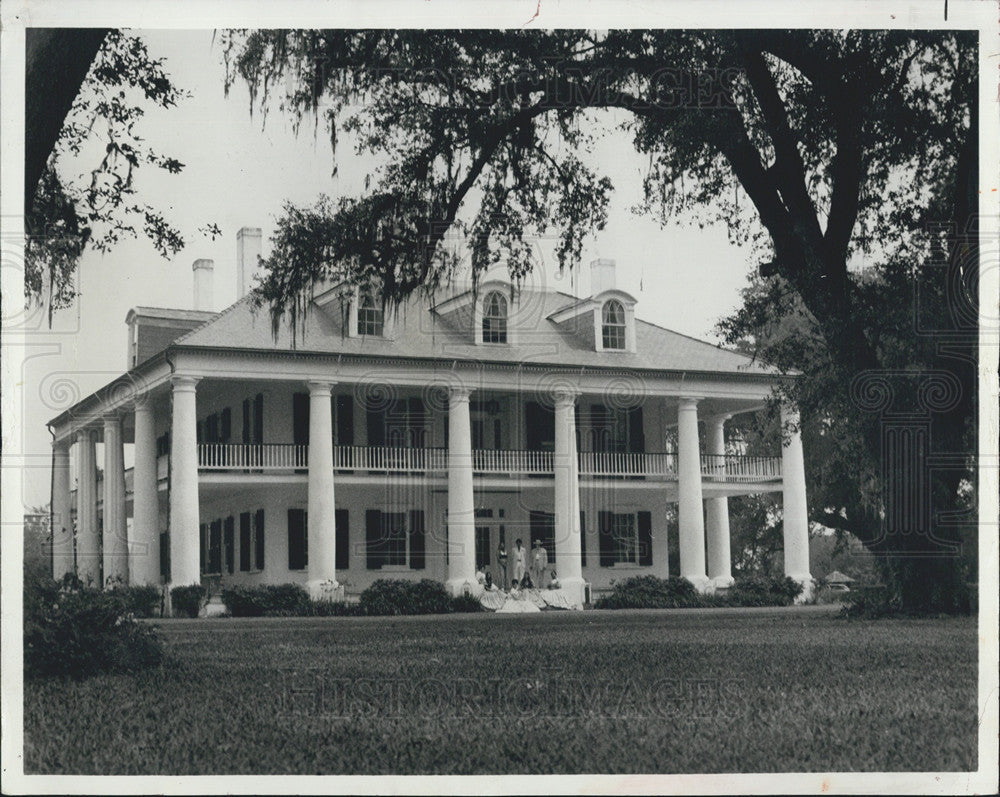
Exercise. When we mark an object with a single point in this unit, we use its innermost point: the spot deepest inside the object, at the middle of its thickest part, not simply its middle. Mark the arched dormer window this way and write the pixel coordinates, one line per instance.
(613, 325)
(370, 319)
(495, 318)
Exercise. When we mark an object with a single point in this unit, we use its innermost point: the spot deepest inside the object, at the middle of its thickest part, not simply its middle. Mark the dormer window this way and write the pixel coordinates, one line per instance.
(613, 325)
(370, 317)
(495, 318)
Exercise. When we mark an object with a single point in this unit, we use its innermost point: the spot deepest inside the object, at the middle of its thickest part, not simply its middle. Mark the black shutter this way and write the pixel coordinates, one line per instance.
(258, 418)
(259, 552)
(605, 532)
(345, 420)
(229, 542)
(583, 541)
(645, 520)
(245, 542)
(201, 548)
(297, 539)
(636, 437)
(165, 556)
(300, 419)
(247, 421)
(417, 540)
(415, 422)
(215, 547)
(376, 427)
(374, 539)
(343, 540)
(213, 432)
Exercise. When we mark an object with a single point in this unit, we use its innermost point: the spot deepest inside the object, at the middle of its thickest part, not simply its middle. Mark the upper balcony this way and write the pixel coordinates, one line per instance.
(286, 457)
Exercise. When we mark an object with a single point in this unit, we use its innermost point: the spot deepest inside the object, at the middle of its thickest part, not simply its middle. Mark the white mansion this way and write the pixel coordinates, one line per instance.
(409, 444)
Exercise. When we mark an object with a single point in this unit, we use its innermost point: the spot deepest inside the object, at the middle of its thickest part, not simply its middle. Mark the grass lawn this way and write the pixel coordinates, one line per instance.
(647, 691)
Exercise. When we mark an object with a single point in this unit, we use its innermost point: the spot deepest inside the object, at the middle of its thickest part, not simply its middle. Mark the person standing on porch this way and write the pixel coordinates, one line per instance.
(502, 564)
(539, 564)
(520, 559)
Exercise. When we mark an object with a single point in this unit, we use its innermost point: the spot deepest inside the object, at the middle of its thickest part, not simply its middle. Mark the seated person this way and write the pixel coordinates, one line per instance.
(488, 583)
(553, 581)
(515, 589)
(526, 582)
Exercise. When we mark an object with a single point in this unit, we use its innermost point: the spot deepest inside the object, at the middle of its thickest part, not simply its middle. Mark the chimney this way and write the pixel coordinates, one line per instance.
(204, 277)
(247, 252)
(602, 276)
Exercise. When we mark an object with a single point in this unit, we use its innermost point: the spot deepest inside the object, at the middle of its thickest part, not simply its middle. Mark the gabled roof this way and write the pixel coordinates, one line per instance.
(422, 333)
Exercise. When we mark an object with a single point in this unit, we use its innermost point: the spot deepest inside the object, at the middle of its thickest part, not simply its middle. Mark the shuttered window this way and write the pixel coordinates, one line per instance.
(298, 546)
(343, 542)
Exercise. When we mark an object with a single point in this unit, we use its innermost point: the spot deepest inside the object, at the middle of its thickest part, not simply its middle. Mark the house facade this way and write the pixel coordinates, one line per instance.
(408, 444)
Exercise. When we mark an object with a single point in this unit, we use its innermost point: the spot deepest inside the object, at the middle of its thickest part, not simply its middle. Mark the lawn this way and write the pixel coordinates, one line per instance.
(648, 691)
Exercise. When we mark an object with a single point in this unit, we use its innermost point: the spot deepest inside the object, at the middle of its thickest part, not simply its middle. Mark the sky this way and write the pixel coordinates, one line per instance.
(239, 170)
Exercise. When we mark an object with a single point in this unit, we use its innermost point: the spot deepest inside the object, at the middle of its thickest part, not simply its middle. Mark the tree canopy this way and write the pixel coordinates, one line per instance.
(851, 146)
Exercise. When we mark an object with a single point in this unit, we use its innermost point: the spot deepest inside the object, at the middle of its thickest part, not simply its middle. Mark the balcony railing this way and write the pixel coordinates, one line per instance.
(386, 459)
(735, 468)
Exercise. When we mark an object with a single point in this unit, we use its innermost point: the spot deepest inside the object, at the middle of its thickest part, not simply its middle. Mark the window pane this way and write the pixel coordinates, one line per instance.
(395, 531)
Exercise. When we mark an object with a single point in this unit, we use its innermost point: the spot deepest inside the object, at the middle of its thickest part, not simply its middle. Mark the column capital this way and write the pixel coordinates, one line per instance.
(459, 393)
(320, 387)
(184, 382)
(718, 419)
(687, 403)
(565, 397)
(84, 435)
(111, 419)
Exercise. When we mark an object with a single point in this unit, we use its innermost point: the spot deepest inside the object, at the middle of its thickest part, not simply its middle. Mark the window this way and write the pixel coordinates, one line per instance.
(495, 318)
(252, 541)
(370, 317)
(390, 543)
(613, 325)
(482, 547)
(626, 538)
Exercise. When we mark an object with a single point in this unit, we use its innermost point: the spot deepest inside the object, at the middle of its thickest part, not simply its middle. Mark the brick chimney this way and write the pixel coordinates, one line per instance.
(204, 279)
(247, 254)
(602, 276)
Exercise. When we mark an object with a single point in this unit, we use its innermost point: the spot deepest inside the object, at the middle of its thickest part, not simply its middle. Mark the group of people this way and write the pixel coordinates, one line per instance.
(537, 576)
(529, 590)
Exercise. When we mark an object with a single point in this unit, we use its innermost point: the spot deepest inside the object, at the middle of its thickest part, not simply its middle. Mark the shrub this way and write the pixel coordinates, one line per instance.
(650, 592)
(336, 609)
(267, 600)
(79, 631)
(465, 603)
(187, 600)
(764, 591)
(140, 601)
(397, 596)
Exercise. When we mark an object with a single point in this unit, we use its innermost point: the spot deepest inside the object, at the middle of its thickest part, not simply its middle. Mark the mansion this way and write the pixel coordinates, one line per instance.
(408, 443)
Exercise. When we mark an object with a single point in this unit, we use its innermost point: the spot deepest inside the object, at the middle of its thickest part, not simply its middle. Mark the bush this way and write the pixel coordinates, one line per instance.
(465, 603)
(650, 592)
(268, 600)
(397, 596)
(75, 631)
(140, 601)
(336, 609)
(763, 591)
(187, 600)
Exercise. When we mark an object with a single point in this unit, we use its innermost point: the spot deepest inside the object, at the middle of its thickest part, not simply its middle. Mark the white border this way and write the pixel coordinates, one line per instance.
(186, 14)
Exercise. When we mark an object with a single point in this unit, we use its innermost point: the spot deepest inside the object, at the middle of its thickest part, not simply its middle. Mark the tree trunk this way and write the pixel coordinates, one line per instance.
(56, 62)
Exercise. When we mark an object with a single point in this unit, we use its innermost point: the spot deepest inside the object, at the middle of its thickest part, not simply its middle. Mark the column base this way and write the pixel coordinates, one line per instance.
(808, 587)
(723, 582)
(573, 589)
(458, 586)
(325, 590)
(703, 584)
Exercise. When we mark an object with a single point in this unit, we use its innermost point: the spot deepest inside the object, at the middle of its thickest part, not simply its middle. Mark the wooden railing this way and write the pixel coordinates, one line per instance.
(735, 468)
(613, 463)
(290, 457)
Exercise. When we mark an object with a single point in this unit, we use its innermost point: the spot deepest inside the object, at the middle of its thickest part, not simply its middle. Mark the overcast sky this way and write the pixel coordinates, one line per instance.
(238, 172)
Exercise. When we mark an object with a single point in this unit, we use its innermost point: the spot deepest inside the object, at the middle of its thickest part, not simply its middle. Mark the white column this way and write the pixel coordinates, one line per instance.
(115, 548)
(322, 530)
(62, 519)
(88, 555)
(461, 506)
(184, 509)
(567, 499)
(717, 513)
(690, 511)
(794, 507)
(144, 565)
